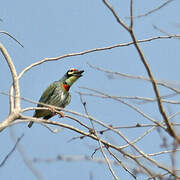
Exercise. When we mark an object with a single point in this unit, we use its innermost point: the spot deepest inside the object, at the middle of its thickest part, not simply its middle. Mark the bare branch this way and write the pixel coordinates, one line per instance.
(129, 105)
(131, 14)
(107, 144)
(170, 129)
(156, 90)
(115, 15)
(99, 140)
(14, 76)
(92, 50)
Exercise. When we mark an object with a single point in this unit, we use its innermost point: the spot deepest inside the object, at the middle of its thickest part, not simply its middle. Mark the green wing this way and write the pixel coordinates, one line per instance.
(48, 93)
(46, 96)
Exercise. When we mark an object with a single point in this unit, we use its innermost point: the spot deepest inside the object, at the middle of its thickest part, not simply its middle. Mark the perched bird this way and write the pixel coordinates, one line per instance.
(57, 94)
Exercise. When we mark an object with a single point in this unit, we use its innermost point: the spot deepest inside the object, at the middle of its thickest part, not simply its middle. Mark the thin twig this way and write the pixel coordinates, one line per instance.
(99, 140)
(26, 160)
(129, 105)
(6, 33)
(13, 149)
(161, 30)
(140, 137)
(135, 99)
(72, 158)
(154, 10)
(115, 15)
(121, 164)
(158, 153)
(159, 82)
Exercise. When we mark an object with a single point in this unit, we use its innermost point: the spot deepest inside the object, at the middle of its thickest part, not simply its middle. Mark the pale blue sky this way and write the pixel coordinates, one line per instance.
(54, 28)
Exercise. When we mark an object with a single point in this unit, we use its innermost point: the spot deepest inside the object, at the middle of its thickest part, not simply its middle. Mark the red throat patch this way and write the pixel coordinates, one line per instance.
(66, 87)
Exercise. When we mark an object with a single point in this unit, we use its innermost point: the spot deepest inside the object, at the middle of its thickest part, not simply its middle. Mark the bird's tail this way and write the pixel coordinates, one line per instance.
(30, 124)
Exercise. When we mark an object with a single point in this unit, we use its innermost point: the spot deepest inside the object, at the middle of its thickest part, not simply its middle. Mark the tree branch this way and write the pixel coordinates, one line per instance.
(12, 68)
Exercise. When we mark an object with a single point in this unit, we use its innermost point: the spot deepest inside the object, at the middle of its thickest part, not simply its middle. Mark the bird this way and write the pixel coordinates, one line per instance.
(57, 94)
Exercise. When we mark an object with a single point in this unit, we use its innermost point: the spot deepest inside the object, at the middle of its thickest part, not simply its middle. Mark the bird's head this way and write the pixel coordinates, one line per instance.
(70, 77)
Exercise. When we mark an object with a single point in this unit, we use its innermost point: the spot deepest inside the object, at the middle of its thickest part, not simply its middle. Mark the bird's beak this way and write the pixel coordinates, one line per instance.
(78, 73)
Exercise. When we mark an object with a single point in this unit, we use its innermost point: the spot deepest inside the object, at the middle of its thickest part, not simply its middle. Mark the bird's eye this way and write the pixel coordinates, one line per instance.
(72, 70)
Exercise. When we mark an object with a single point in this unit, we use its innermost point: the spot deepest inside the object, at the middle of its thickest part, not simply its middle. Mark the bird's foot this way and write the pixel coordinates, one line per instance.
(52, 109)
(62, 114)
